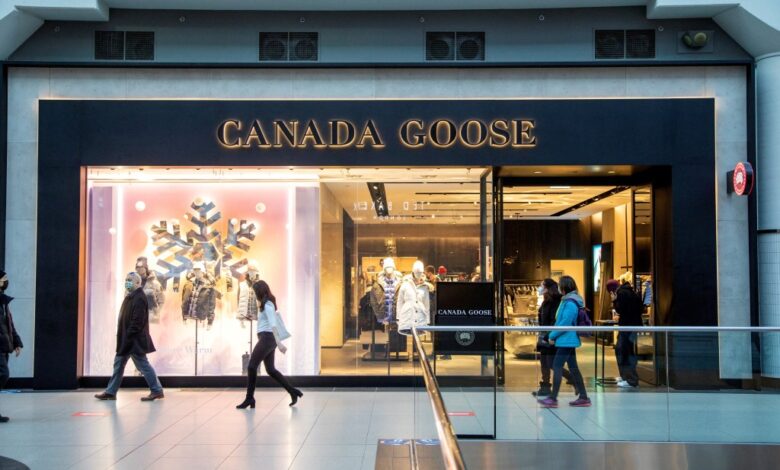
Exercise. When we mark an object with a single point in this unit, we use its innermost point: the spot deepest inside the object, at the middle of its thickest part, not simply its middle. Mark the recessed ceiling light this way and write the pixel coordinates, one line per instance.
(537, 172)
(560, 187)
(611, 172)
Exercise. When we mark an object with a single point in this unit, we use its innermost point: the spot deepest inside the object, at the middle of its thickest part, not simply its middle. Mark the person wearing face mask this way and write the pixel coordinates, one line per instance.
(548, 289)
(10, 342)
(133, 341)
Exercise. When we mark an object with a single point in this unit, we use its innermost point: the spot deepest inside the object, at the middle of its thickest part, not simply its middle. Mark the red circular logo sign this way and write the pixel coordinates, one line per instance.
(742, 181)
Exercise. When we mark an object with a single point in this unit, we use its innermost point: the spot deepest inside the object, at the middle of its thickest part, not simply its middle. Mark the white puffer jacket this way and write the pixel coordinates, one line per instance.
(247, 302)
(413, 305)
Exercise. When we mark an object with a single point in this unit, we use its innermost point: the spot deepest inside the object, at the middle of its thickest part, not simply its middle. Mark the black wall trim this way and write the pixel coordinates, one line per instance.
(381, 65)
(676, 134)
(15, 383)
(240, 381)
(767, 230)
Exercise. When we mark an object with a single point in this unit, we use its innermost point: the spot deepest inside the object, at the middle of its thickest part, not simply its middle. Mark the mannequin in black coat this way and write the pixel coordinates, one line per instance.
(133, 341)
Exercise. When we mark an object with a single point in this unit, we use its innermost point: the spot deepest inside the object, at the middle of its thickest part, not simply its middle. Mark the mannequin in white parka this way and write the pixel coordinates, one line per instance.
(413, 305)
(247, 302)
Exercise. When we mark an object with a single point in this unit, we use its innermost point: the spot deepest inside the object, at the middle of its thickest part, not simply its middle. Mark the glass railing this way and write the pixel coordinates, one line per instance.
(645, 384)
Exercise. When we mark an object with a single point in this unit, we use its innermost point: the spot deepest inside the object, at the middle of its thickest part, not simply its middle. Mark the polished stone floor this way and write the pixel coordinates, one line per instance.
(339, 428)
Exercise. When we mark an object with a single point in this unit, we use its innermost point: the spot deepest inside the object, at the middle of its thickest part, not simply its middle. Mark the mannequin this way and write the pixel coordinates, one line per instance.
(152, 288)
(413, 300)
(477, 276)
(199, 297)
(247, 302)
(384, 292)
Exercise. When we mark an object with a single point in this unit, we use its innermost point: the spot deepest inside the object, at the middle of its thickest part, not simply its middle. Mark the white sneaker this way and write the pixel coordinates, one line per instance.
(619, 379)
(624, 384)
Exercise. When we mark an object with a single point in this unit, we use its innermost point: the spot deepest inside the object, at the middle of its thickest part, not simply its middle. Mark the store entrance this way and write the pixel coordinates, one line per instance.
(590, 229)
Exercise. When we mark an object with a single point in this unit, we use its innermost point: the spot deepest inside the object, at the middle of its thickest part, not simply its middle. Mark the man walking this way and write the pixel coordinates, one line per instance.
(9, 338)
(628, 312)
(133, 341)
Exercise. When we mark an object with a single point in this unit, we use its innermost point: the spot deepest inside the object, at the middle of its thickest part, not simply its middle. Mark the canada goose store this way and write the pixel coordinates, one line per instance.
(331, 199)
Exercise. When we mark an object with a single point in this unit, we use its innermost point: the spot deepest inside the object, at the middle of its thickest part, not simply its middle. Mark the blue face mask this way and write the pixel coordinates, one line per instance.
(129, 285)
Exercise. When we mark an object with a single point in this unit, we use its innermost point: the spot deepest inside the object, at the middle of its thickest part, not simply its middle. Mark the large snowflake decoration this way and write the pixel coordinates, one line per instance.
(222, 256)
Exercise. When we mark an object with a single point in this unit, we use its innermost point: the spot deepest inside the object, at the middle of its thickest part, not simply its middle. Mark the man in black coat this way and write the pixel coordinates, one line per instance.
(628, 312)
(133, 341)
(10, 342)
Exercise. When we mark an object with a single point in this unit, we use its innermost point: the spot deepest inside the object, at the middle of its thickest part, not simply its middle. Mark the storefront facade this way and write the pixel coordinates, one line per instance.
(279, 145)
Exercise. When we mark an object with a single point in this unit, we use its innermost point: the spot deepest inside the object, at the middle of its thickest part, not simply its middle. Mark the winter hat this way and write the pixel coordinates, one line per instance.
(442, 270)
(612, 285)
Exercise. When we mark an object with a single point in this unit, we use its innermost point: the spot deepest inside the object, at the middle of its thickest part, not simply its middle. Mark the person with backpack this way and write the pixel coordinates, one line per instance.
(572, 307)
(628, 312)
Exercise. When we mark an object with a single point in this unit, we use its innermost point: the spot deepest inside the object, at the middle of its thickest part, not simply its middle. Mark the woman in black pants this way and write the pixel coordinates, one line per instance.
(267, 342)
(552, 299)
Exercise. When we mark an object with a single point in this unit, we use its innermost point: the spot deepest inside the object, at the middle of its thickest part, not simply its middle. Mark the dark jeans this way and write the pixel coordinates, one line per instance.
(567, 356)
(264, 352)
(625, 352)
(4, 374)
(546, 358)
(143, 366)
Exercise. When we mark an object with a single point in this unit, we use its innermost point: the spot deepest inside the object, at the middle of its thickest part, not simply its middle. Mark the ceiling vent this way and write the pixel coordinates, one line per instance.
(461, 46)
(273, 46)
(471, 46)
(139, 45)
(640, 44)
(304, 46)
(124, 45)
(283, 47)
(439, 46)
(610, 44)
(109, 45)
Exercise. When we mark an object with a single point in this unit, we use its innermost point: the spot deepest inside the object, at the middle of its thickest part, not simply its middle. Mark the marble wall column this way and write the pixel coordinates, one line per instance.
(768, 188)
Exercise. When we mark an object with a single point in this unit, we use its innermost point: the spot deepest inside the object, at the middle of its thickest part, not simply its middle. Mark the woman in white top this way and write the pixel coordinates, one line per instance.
(267, 342)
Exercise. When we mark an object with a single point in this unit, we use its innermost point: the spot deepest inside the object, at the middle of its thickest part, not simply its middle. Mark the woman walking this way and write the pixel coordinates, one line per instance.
(267, 341)
(566, 344)
(551, 300)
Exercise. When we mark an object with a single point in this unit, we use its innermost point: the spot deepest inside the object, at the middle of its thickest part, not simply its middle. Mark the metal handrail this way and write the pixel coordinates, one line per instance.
(651, 329)
(450, 449)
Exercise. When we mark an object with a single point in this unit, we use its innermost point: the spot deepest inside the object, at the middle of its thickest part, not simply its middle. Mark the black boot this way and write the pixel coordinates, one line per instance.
(4, 419)
(544, 390)
(294, 396)
(248, 402)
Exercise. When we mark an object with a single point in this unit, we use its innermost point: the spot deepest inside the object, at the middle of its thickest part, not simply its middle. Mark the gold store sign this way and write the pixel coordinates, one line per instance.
(341, 134)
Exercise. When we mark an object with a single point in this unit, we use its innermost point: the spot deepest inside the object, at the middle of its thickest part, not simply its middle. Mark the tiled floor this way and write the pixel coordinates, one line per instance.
(339, 429)
(197, 429)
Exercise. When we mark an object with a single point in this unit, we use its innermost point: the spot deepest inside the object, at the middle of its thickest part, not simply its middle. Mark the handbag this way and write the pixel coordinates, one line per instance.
(281, 330)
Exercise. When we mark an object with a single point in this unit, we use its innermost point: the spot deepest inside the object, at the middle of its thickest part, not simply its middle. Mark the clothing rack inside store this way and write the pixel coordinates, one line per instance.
(521, 302)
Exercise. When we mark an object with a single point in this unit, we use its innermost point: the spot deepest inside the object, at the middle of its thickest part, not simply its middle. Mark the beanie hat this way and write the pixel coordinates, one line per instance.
(442, 270)
(612, 285)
